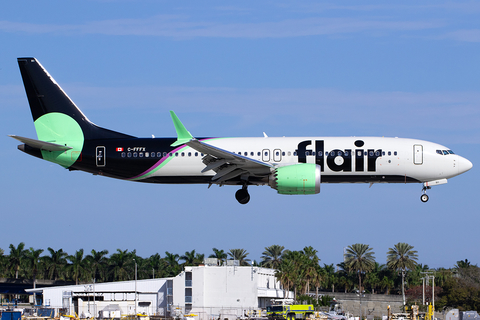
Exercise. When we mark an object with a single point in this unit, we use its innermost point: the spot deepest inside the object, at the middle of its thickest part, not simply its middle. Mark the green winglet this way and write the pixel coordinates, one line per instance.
(183, 136)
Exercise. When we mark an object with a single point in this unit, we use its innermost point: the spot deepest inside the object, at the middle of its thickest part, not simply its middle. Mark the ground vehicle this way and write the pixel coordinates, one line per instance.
(290, 312)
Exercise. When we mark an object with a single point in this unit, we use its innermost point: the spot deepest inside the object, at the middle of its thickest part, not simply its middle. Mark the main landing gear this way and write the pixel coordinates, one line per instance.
(242, 195)
(424, 196)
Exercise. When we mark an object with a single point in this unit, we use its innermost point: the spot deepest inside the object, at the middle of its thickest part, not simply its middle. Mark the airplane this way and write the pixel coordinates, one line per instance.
(290, 165)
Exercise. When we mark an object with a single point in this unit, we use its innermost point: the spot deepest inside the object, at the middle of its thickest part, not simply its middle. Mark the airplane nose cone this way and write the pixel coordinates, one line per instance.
(464, 165)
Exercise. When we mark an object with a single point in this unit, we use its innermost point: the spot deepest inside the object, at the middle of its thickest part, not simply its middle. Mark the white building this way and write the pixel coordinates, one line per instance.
(90, 299)
(206, 291)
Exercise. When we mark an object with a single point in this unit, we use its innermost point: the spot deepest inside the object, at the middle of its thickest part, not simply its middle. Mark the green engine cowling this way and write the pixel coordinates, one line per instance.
(302, 178)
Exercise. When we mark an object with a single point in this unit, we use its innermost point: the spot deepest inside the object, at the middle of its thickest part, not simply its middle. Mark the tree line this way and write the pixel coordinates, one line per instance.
(298, 271)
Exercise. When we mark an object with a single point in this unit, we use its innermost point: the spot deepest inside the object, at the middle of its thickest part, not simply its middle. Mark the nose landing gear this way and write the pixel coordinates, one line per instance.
(242, 195)
(424, 196)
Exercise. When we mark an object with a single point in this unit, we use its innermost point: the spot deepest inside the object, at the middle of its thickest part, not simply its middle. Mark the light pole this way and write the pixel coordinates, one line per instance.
(135, 288)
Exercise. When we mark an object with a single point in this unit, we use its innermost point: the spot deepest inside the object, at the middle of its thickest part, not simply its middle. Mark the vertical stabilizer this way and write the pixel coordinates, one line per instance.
(46, 97)
(61, 127)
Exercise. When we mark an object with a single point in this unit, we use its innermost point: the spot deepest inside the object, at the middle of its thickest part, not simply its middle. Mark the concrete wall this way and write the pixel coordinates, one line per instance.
(372, 304)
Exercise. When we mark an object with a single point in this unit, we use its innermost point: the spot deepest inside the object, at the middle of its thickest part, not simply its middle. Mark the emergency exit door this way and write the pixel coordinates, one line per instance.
(418, 154)
(100, 156)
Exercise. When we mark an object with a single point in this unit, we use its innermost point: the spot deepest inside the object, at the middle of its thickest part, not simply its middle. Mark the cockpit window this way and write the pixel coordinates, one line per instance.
(445, 152)
(440, 152)
(450, 151)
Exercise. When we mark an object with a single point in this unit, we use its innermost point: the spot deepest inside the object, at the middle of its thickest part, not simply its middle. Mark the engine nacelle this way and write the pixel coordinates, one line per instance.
(302, 178)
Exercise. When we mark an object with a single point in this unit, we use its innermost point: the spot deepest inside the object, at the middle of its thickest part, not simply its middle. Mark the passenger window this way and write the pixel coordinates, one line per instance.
(141, 154)
(183, 154)
(359, 153)
(320, 153)
(277, 153)
(176, 154)
(366, 153)
(159, 154)
(371, 153)
(339, 153)
(389, 153)
(395, 153)
(346, 153)
(251, 154)
(383, 153)
(196, 154)
(307, 153)
(258, 154)
(245, 154)
(283, 153)
(289, 153)
(123, 154)
(129, 155)
(135, 154)
(147, 154)
(295, 153)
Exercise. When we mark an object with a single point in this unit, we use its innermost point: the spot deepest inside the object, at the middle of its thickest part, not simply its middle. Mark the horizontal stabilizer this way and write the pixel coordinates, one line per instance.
(42, 145)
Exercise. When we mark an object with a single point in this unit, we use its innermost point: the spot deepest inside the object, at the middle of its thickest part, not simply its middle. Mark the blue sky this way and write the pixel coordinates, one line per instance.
(303, 68)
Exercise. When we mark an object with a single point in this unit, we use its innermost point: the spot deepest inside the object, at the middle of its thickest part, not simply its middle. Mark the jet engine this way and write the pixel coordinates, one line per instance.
(302, 178)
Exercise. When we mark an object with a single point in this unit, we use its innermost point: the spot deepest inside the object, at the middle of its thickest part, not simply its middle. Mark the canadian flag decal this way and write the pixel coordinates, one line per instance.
(119, 149)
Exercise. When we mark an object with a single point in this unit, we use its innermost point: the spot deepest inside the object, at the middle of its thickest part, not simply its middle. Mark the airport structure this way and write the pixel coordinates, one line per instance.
(207, 291)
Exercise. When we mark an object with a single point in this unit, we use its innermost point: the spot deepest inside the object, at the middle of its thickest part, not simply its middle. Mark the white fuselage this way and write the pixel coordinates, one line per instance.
(342, 159)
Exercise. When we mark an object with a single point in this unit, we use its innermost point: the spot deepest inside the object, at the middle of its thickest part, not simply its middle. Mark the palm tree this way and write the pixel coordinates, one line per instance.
(121, 264)
(284, 275)
(32, 257)
(78, 264)
(2, 263)
(199, 258)
(402, 257)
(189, 258)
(98, 261)
(219, 254)
(374, 277)
(272, 256)
(240, 255)
(172, 262)
(310, 264)
(463, 264)
(294, 263)
(359, 258)
(156, 263)
(329, 276)
(55, 263)
(387, 283)
(16, 257)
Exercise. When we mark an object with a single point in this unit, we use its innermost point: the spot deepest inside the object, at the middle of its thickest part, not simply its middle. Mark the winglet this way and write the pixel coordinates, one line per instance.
(183, 136)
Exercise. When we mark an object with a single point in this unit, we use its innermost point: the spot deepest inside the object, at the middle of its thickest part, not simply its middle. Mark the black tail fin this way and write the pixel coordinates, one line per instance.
(46, 97)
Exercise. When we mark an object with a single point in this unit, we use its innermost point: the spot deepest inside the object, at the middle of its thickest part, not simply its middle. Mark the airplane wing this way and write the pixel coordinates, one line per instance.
(226, 164)
(39, 144)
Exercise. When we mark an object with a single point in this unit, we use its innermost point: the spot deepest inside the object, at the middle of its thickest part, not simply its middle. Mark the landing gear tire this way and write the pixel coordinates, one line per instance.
(424, 197)
(242, 196)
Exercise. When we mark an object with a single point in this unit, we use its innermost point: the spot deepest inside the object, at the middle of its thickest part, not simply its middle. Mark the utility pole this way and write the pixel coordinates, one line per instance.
(135, 288)
(433, 297)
